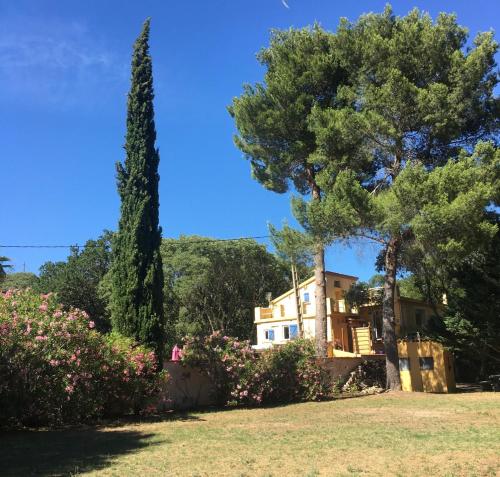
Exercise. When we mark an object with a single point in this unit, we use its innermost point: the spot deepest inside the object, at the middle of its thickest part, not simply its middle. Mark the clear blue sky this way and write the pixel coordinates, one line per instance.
(64, 73)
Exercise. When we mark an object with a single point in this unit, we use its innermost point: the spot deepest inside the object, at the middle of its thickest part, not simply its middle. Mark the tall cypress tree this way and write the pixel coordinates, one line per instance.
(137, 274)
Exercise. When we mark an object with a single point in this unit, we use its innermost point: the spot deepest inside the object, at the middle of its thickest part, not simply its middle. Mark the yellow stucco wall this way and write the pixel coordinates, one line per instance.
(282, 311)
(406, 312)
(440, 379)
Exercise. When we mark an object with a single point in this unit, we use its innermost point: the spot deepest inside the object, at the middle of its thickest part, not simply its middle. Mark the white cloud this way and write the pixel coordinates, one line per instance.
(60, 65)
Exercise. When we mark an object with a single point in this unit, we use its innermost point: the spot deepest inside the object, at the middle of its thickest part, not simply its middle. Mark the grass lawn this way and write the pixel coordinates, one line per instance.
(390, 434)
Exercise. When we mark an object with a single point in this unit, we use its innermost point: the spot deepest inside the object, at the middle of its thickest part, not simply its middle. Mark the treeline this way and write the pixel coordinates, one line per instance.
(208, 285)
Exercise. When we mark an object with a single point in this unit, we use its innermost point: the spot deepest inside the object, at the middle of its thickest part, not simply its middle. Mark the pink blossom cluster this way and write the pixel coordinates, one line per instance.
(75, 373)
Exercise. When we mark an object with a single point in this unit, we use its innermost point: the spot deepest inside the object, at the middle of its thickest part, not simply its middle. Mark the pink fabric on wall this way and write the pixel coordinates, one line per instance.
(176, 353)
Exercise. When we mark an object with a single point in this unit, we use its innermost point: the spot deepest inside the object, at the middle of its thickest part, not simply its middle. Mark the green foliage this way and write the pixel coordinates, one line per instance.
(76, 281)
(18, 280)
(274, 132)
(417, 93)
(291, 372)
(224, 359)
(213, 285)
(241, 376)
(136, 300)
(362, 294)
(416, 96)
(440, 213)
(358, 294)
(471, 325)
(273, 117)
(410, 287)
(376, 280)
(292, 246)
(56, 368)
(3, 266)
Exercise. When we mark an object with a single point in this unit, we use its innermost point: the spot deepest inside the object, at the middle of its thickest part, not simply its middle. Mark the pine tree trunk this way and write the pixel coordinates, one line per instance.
(389, 319)
(320, 298)
(320, 329)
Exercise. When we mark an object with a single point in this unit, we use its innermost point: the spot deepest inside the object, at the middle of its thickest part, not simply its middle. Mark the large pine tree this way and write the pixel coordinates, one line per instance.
(137, 275)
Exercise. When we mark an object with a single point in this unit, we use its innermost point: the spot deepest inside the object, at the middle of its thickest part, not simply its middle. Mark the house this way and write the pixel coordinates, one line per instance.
(411, 315)
(348, 330)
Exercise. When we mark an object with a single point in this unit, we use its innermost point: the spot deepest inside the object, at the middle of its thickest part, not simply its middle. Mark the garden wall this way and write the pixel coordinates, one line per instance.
(189, 388)
(339, 367)
(186, 387)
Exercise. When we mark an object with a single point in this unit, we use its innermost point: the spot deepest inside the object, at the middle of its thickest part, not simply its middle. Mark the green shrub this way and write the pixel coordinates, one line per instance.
(243, 377)
(293, 373)
(56, 368)
(226, 361)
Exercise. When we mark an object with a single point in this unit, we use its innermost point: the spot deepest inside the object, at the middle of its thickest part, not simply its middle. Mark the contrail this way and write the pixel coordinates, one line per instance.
(285, 4)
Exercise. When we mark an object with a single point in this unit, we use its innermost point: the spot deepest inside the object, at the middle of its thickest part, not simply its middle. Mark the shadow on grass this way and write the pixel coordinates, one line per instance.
(75, 450)
(169, 416)
(65, 452)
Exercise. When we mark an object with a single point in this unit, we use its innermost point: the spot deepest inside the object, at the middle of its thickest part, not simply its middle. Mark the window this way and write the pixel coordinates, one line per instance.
(306, 297)
(404, 364)
(426, 364)
(282, 310)
(336, 283)
(293, 331)
(286, 332)
(419, 317)
(269, 335)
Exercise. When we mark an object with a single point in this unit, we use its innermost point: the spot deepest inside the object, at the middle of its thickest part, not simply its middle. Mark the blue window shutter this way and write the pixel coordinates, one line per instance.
(271, 335)
(293, 331)
(306, 297)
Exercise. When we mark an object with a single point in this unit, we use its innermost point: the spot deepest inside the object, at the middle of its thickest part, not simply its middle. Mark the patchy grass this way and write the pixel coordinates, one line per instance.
(390, 434)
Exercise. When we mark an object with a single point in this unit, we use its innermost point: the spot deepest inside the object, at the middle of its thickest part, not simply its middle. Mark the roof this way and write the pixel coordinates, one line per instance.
(311, 279)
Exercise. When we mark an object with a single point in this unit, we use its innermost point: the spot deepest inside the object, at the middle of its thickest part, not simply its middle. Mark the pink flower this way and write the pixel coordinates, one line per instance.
(41, 338)
(43, 307)
(54, 362)
(69, 388)
(91, 324)
(57, 314)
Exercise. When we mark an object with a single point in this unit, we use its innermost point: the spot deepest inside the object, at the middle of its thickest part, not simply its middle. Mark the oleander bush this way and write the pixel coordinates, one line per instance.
(241, 376)
(56, 368)
(225, 360)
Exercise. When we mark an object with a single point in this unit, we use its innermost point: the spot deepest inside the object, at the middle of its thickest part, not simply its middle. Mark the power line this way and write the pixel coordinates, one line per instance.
(257, 237)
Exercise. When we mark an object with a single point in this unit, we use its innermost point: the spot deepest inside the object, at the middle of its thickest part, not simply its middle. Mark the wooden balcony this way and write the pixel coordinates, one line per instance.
(263, 313)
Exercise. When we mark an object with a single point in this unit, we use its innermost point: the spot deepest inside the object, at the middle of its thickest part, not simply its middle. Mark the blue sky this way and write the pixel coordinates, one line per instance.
(64, 76)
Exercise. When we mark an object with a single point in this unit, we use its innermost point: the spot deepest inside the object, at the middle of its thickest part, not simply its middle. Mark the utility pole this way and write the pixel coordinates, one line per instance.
(295, 281)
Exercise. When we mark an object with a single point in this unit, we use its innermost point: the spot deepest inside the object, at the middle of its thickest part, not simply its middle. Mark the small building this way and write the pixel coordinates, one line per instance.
(425, 366)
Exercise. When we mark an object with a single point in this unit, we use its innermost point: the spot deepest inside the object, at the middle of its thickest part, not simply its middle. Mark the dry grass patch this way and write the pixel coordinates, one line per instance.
(389, 434)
